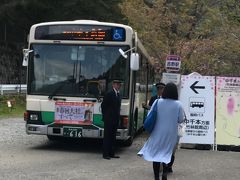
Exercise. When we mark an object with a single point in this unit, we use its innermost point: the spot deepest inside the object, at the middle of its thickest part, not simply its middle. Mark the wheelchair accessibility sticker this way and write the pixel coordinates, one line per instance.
(118, 34)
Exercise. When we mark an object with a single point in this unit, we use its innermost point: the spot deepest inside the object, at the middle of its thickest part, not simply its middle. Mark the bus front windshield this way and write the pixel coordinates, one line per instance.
(76, 70)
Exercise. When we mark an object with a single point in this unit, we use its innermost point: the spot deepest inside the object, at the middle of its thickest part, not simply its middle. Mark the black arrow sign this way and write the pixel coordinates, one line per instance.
(194, 87)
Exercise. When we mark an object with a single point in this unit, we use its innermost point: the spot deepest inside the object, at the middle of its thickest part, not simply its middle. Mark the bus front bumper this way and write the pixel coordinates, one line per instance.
(122, 134)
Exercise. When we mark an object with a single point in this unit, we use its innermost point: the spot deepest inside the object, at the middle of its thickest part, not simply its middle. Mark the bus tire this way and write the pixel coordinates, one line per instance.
(128, 142)
(134, 131)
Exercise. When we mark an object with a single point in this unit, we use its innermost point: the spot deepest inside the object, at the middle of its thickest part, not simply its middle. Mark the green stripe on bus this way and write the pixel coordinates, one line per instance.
(97, 120)
(48, 117)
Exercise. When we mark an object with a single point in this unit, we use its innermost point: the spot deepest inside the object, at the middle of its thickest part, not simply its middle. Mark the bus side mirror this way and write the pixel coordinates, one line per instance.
(134, 61)
(26, 56)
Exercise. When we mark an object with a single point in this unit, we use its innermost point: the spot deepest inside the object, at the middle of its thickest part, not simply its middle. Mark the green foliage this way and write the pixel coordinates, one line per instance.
(204, 33)
(18, 16)
(11, 69)
(18, 108)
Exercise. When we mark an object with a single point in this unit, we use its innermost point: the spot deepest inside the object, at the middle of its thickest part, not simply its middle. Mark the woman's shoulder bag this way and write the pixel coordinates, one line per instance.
(150, 120)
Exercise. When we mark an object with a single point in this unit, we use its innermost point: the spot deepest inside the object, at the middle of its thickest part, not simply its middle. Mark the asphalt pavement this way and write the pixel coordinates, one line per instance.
(201, 162)
(27, 157)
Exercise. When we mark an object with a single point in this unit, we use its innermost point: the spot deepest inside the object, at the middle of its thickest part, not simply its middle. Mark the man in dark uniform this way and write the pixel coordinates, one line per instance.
(111, 114)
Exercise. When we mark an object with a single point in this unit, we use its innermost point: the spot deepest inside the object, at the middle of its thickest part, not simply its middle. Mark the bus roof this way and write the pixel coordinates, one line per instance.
(86, 22)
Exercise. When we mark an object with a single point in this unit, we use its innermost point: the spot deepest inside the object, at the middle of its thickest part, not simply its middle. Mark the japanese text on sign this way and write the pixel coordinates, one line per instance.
(73, 113)
(173, 63)
(197, 96)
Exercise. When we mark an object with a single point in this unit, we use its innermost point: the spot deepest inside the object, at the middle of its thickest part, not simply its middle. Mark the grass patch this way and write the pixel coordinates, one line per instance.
(18, 103)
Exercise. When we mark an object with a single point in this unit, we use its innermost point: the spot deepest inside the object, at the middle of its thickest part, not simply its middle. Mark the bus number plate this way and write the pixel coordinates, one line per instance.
(72, 132)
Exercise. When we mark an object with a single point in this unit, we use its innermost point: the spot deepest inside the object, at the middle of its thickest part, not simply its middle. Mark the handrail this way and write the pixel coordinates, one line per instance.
(12, 88)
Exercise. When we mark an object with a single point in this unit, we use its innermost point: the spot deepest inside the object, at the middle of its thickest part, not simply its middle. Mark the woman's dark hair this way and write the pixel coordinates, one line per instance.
(170, 91)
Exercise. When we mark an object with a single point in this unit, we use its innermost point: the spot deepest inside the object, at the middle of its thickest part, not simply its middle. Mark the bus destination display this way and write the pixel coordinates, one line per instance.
(80, 33)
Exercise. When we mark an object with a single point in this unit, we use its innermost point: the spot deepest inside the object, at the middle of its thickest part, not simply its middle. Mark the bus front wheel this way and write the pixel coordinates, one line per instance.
(129, 141)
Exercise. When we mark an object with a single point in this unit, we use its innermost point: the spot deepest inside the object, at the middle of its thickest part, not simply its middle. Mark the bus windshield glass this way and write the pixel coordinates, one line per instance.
(76, 70)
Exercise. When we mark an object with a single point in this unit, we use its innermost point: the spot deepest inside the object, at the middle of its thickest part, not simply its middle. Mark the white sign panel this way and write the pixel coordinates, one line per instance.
(197, 97)
(171, 77)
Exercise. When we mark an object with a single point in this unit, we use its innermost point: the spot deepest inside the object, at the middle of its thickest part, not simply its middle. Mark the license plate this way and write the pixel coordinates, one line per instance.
(72, 132)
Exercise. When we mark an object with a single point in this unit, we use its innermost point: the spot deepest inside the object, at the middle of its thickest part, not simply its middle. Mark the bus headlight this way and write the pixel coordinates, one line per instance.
(33, 117)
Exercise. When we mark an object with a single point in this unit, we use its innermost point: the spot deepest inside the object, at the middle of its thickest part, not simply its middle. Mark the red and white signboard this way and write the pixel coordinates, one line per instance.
(74, 113)
(173, 63)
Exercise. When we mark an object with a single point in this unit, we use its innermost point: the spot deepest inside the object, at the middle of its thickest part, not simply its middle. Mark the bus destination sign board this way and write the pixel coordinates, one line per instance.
(80, 33)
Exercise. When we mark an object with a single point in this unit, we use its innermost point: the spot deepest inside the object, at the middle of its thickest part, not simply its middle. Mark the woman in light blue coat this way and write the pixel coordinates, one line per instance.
(162, 140)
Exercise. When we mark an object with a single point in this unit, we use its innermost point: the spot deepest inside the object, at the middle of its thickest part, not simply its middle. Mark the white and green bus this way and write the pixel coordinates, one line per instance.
(70, 65)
